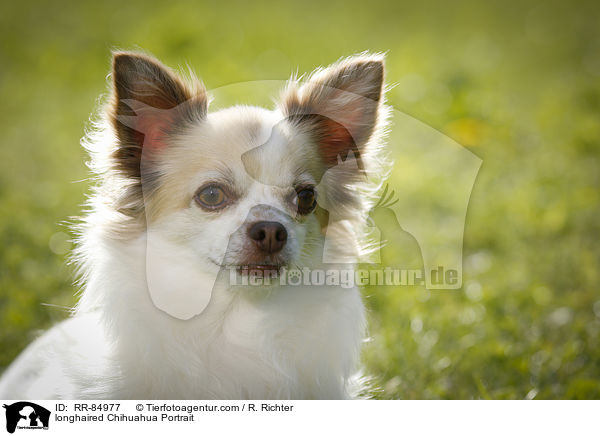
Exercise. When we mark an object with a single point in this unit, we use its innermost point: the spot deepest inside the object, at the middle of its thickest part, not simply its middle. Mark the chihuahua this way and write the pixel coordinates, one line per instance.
(188, 206)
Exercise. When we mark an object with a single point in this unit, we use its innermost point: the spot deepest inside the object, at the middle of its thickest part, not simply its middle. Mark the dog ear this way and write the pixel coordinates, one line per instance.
(148, 102)
(338, 105)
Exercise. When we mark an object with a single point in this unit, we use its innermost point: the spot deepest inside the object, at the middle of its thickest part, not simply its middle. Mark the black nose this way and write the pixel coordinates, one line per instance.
(269, 236)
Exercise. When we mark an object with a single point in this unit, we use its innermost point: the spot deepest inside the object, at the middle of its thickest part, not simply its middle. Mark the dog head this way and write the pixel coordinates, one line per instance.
(243, 187)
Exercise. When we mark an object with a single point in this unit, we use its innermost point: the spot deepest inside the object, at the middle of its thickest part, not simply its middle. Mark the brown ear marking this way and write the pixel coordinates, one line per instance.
(148, 101)
(139, 76)
(338, 105)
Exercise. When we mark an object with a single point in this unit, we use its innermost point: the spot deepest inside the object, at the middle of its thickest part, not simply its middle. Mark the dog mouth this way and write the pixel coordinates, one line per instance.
(259, 270)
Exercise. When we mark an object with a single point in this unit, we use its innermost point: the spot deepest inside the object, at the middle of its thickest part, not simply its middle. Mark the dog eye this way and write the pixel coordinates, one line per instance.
(211, 197)
(306, 200)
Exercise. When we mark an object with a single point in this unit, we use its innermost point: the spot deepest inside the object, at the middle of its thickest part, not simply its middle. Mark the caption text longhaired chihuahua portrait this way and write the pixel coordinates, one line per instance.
(187, 198)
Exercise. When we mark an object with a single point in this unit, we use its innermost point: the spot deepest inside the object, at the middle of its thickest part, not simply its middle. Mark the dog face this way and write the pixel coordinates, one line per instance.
(244, 187)
(239, 189)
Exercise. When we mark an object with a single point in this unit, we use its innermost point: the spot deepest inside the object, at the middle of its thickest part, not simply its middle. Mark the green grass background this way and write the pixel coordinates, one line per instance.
(516, 82)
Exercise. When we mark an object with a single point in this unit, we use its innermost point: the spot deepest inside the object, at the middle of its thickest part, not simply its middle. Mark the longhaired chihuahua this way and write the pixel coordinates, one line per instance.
(189, 205)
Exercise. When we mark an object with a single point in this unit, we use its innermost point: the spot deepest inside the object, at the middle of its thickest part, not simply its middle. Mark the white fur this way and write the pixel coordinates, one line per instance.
(298, 343)
(280, 342)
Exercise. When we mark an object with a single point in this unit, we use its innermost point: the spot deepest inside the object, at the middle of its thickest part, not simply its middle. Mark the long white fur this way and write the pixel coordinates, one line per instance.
(287, 342)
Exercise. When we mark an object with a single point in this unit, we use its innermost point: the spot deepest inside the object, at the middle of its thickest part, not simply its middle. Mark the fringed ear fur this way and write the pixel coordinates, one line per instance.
(148, 102)
(338, 106)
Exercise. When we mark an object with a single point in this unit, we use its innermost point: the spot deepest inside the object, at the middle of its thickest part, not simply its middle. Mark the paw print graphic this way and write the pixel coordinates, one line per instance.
(294, 277)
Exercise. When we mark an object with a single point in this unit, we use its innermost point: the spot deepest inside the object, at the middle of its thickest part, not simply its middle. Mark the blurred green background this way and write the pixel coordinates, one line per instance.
(516, 82)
